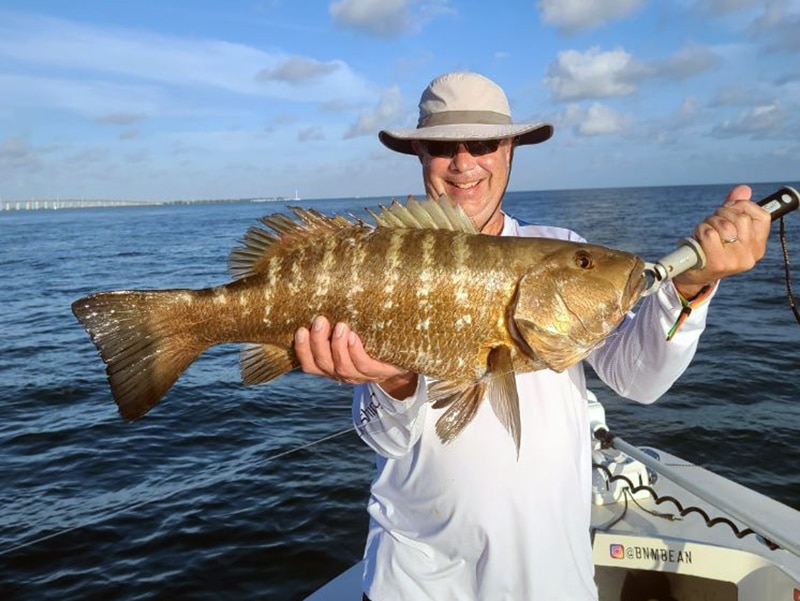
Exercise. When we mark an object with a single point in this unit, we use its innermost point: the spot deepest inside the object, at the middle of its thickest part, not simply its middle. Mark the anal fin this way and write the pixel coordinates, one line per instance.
(264, 362)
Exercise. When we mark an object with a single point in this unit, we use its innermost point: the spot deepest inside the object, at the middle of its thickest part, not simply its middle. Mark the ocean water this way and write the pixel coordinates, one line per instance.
(232, 492)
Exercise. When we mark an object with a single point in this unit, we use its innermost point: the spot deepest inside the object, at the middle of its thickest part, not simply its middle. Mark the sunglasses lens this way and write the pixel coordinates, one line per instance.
(441, 149)
(448, 150)
(480, 147)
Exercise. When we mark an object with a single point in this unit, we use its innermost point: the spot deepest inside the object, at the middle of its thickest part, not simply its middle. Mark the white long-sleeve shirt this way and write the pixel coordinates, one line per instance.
(469, 520)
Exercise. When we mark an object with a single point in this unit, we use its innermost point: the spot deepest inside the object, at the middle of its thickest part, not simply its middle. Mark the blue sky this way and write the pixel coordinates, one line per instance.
(158, 100)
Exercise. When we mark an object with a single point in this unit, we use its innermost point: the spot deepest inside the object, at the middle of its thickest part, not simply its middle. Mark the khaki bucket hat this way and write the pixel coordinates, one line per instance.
(464, 106)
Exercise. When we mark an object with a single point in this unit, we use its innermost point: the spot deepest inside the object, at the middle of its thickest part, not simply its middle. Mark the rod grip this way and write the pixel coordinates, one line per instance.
(781, 202)
(689, 255)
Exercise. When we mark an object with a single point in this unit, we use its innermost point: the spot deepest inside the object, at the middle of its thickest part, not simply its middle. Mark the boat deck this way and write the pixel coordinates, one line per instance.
(648, 550)
(652, 545)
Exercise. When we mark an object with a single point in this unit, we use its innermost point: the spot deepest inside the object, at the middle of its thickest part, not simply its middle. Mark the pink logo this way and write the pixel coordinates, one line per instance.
(618, 552)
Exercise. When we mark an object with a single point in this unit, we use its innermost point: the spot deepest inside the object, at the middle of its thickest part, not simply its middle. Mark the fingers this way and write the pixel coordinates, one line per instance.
(340, 345)
(364, 364)
(338, 354)
(740, 192)
(738, 227)
(727, 226)
(733, 239)
(309, 363)
(313, 348)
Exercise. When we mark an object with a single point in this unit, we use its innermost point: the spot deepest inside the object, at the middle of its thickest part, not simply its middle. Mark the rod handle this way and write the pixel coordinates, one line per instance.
(689, 255)
(781, 202)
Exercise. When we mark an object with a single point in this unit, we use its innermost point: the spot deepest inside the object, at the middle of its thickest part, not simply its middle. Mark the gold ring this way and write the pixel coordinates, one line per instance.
(730, 240)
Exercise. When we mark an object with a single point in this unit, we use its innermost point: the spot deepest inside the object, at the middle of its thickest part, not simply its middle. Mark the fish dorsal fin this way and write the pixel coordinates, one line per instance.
(280, 231)
(432, 213)
(259, 244)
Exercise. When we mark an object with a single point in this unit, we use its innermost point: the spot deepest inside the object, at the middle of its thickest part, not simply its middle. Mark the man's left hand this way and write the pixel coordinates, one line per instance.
(733, 239)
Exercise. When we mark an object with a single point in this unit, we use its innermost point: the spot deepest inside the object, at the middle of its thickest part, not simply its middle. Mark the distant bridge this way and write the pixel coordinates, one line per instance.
(42, 205)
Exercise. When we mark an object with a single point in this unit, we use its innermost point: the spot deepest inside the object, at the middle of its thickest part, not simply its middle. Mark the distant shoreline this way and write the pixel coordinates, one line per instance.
(56, 204)
(53, 205)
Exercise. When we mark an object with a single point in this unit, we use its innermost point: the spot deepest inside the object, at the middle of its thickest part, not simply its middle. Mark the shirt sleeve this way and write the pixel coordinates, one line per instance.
(648, 352)
(388, 425)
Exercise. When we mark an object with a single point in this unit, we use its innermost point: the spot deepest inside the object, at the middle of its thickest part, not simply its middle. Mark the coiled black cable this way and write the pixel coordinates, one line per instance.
(606, 439)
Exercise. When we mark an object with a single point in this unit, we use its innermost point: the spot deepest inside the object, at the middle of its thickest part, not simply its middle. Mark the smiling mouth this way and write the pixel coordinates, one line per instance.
(465, 185)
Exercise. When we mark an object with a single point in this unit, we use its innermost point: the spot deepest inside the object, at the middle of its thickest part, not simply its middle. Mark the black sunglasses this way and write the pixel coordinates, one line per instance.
(476, 148)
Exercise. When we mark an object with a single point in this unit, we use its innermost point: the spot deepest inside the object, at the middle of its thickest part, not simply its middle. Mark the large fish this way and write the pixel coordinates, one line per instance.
(423, 289)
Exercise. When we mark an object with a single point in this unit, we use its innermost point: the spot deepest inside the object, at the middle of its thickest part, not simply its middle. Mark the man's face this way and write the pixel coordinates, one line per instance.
(476, 183)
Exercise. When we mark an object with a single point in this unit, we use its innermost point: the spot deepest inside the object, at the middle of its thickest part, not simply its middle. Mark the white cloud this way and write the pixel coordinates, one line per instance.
(88, 97)
(688, 109)
(390, 108)
(120, 118)
(311, 134)
(387, 18)
(298, 70)
(686, 62)
(592, 74)
(601, 120)
(756, 122)
(724, 7)
(596, 73)
(595, 120)
(17, 153)
(575, 15)
(734, 95)
(778, 26)
(170, 61)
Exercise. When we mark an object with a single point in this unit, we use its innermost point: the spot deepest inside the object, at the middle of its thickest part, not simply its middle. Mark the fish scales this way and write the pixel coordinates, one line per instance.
(427, 276)
(426, 306)
(422, 289)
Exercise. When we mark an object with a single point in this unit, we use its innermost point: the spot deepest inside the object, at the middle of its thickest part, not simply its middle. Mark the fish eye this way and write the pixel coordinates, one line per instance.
(584, 260)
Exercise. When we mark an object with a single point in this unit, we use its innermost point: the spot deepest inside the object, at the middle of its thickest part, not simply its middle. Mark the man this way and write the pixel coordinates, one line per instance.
(470, 520)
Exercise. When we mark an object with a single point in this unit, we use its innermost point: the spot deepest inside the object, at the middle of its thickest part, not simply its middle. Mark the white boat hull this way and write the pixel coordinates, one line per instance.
(639, 543)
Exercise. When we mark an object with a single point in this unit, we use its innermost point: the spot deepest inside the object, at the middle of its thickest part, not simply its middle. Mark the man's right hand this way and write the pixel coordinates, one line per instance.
(337, 353)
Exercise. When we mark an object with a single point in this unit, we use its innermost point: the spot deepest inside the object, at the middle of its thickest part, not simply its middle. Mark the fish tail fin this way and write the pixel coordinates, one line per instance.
(139, 339)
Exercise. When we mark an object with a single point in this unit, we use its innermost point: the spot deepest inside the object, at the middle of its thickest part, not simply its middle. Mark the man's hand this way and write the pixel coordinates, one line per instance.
(733, 239)
(339, 354)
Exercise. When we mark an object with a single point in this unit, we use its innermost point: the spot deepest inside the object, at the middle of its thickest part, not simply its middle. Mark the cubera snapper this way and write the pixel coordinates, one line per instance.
(421, 287)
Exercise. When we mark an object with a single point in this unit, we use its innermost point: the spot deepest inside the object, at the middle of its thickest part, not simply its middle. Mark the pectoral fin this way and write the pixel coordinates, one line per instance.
(463, 400)
(502, 389)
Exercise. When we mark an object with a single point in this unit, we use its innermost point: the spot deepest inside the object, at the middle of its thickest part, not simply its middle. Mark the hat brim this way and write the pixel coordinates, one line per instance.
(401, 140)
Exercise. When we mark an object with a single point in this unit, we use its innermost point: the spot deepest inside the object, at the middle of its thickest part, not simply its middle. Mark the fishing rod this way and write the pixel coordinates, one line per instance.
(722, 499)
(689, 255)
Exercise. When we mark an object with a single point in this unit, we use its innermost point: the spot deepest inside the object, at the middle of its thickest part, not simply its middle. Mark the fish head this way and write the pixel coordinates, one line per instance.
(569, 302)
